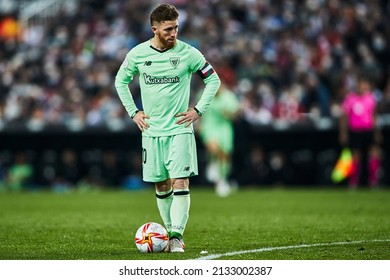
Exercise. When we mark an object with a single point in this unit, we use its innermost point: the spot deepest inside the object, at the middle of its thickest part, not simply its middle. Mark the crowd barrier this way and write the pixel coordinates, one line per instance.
(278, 154)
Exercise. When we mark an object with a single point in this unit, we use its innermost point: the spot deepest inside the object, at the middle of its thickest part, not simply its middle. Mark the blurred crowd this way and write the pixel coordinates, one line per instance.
(288, 61)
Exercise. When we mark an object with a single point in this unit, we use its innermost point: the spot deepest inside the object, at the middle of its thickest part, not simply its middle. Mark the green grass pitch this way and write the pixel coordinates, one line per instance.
(101, 225)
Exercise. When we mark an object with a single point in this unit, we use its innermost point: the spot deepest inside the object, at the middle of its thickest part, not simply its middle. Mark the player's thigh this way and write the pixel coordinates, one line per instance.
(153, 167)
(226, 140)
(182, 160)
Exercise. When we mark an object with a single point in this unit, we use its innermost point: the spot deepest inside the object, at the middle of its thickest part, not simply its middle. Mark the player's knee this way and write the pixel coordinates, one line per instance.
(163, 186)
(374, 152)
(212, 147)
(180, 183)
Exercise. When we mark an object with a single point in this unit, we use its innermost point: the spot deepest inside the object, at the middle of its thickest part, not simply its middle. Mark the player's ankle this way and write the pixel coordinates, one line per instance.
(174, 234)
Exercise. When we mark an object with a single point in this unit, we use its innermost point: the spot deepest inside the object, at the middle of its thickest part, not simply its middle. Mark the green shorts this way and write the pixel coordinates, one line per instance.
(169, 157)
(223, 136)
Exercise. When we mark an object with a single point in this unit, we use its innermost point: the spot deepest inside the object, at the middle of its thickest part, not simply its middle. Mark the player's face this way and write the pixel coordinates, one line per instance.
(166, 32)
(364, 86)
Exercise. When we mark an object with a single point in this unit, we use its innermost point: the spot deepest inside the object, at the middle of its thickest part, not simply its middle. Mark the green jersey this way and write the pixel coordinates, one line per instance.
(217, 123)
(220, 113)
(165, 79)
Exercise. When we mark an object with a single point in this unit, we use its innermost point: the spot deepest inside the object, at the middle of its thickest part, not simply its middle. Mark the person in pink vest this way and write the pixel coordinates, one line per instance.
(359, 131)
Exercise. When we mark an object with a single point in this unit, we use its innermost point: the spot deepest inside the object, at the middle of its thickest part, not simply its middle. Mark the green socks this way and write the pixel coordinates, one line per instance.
(174, 207)
(164, 202)
(180, 210)
(224, 167)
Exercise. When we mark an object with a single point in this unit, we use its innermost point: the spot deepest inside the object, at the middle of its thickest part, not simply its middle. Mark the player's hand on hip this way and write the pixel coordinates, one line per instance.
(140, 120)
(187, 117)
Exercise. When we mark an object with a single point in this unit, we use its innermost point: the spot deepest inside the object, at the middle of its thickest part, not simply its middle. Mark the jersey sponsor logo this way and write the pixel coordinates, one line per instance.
(150, 80)
(175, 61)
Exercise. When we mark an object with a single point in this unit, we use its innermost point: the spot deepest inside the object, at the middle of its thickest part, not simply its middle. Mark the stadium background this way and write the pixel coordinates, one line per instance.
(290, 63)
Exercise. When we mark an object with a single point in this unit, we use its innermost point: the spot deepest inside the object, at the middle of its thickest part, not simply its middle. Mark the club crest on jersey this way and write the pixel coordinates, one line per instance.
(174, 61)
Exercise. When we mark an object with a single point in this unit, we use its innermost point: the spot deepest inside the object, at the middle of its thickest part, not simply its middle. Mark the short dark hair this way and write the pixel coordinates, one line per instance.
(163, 12)
(364, 78)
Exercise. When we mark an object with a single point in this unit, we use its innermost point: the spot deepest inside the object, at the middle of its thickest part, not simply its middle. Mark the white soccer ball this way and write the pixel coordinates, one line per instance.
(151, 237)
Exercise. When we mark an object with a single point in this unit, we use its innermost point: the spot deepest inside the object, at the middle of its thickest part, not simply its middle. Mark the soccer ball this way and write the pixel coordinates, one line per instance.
(151, 237)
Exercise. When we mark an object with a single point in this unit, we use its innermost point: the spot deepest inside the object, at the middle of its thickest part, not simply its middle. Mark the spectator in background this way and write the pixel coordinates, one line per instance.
(258, 167)
(254, 111)
(359, 131)
(315, 99)
(111, 171)
(280, 172)
(288, 109)
(20, 173)
(257, 105)
(67, 173)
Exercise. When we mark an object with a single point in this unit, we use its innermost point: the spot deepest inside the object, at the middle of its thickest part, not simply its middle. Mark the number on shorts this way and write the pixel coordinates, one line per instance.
(144, 155)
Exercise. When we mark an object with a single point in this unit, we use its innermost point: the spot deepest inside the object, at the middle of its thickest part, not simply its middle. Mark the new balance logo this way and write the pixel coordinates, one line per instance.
(147, 63)
(187, 168)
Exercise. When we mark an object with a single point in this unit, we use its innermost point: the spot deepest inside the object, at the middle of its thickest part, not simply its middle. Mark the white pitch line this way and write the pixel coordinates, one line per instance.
(268, 249)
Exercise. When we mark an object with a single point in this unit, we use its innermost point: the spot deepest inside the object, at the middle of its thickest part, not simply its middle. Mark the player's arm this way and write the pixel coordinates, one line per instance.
(123, 77)
(231, 109)
(212, 84)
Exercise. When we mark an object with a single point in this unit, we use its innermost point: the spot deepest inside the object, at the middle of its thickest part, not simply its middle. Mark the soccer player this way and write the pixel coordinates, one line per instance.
(165, 66)
(217, 133)
(359, 131)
